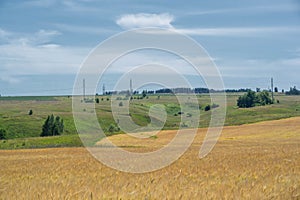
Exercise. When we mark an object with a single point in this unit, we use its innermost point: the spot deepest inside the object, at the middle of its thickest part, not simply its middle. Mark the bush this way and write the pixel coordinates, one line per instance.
(97, 100)
(30, 112)
(214, 106)
(112, 128)
(207, 108)
(121, 104)
(3, 135)
(53, 126)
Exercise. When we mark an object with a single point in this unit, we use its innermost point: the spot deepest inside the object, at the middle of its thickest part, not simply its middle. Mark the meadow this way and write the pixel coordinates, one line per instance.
(23, 130)
(251, 161)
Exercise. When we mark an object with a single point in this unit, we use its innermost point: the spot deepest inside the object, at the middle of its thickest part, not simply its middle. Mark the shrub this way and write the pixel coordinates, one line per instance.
(121, 104)
(97, 100)
(214, 105)
(207, 108)
(112, 128)
(30, 112)
(184, 125)
(3, 135)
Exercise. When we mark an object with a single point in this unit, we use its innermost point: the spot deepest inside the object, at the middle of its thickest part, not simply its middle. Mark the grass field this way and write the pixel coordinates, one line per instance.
(23, 130)
(252, 161)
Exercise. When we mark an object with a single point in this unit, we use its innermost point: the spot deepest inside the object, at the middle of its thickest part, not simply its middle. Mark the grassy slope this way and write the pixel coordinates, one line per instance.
(15, 120)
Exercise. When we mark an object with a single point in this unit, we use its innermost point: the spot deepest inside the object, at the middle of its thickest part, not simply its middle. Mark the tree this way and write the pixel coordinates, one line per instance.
(97, 100)
(247, 100)
(3, 135)
(52, 126)
(263, 98)
(251, 99)
(144, 93)
(293, 91)
(30, 112)
(275, 89)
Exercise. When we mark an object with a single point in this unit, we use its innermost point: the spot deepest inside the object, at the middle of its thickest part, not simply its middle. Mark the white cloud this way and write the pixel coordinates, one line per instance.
(164, 20)
(36, 53)
(143, 20)
(3, 33)
(40, 37)
(82, 29)
(239, 31)
(252, 10)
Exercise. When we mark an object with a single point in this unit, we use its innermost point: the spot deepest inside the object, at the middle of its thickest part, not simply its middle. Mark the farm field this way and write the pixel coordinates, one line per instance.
(251, 161)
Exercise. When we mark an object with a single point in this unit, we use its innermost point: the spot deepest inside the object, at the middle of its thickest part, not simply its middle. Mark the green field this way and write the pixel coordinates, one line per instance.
(23, 130)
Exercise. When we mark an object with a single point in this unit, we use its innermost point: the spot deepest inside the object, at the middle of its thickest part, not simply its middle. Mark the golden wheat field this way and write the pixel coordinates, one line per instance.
(255, 161)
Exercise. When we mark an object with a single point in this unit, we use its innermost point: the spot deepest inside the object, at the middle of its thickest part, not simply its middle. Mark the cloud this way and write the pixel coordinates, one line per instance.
(4, 35)
(40, 37)
(143, 20)
(164, 20)
(246, 10)
(36, 53)
(83, 29)
(240, 31)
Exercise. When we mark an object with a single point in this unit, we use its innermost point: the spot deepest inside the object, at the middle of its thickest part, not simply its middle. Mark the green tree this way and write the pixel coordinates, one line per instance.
(3, 135)
(52, 126)
(247, 100)
(144, 93)
(263, 98)
(293, 91)
(251, 99)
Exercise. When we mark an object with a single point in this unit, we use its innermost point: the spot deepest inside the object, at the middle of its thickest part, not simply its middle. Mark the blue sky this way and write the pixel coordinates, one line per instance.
(250, 41)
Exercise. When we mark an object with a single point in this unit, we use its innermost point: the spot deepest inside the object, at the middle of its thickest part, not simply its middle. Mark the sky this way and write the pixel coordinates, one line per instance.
(44, 42)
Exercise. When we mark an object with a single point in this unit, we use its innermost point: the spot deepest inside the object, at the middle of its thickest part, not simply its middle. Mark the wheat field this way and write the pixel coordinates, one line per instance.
(254, 161)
